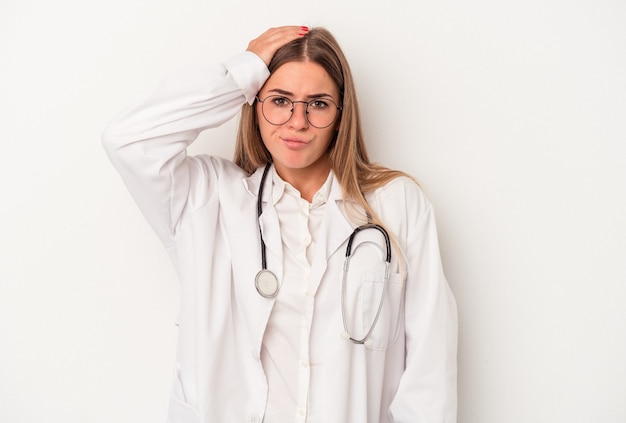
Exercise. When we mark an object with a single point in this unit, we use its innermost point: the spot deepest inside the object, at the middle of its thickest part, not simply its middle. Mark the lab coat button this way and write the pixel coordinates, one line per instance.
(254, 418)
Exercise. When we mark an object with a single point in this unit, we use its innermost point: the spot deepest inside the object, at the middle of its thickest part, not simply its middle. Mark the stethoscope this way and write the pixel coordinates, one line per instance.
(266, 282)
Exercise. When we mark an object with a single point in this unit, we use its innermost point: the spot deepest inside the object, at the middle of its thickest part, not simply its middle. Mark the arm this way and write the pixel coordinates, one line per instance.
(427, 391)
(147, 144)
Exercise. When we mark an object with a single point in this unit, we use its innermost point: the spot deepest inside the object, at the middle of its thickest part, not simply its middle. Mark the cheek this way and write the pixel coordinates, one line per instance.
(331, 137)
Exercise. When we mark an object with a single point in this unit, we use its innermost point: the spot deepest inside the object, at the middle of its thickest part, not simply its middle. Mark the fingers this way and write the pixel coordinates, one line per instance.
(266, 44)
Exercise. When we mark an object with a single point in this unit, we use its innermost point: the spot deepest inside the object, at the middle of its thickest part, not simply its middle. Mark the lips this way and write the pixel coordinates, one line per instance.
(295, 142)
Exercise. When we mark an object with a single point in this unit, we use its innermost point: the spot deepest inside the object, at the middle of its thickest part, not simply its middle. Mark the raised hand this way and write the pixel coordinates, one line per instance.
(266, 44)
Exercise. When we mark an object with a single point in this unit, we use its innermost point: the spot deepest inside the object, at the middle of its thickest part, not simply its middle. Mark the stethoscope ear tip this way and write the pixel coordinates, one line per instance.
(345, 336)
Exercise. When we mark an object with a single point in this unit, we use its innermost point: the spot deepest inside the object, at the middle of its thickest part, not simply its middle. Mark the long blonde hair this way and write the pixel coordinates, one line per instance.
(348, 156)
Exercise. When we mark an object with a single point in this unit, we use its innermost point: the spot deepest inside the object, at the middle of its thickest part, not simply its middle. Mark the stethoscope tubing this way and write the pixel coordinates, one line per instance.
(371, 226)
(346, 266)
(259, 211)
(267, 285)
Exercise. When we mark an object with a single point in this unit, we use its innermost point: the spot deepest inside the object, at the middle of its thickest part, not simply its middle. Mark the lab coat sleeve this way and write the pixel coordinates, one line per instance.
(427, 392)
(147, 144)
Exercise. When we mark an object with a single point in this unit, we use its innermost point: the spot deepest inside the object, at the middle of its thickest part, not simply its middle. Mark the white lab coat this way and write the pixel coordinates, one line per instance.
(204, 211)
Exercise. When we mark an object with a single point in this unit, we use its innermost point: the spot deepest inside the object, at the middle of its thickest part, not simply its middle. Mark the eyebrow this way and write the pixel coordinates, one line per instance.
(290, 94)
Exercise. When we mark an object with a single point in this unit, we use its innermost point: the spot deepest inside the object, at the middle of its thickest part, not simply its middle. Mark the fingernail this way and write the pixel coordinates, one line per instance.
(305, 28)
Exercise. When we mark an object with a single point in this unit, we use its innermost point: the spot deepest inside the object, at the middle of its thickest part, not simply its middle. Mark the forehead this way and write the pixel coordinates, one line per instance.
(301, 79)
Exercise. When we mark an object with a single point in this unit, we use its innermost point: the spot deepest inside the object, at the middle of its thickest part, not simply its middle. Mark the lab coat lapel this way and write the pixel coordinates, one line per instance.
(270, 228)
(337, 230)
(268, 222)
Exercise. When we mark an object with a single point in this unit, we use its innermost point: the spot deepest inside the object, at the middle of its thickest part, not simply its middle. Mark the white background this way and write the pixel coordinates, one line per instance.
(511, 113)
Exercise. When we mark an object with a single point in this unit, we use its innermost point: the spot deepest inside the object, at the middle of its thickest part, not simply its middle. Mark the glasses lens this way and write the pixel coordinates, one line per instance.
(320, 113)
(277, 109)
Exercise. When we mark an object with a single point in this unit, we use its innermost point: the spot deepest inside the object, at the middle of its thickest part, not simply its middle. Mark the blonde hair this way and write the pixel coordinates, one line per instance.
(348, 157)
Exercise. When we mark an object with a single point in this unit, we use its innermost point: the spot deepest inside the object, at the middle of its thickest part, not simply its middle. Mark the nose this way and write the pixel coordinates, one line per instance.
(298, 117)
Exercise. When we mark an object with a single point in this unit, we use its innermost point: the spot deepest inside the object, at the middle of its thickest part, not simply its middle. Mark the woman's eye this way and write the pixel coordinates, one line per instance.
(318, 104)
(281, 102)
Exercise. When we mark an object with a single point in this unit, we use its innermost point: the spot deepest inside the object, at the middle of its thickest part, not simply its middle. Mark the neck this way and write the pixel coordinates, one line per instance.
(306, 181)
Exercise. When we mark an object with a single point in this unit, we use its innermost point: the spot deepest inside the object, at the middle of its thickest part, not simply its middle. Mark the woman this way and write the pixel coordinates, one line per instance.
(307, 338)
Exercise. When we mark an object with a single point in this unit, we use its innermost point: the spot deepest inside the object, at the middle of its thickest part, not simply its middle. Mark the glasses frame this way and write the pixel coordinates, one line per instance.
(293, 106)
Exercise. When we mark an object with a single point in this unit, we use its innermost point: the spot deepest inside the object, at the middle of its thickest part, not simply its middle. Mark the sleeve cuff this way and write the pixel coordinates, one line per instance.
(249, 73)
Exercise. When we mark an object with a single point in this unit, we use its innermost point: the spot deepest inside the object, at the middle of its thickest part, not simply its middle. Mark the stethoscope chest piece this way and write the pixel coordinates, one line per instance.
(266, 283)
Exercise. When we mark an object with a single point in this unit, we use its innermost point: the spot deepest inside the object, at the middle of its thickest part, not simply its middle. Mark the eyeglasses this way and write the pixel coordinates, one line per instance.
(320, 112)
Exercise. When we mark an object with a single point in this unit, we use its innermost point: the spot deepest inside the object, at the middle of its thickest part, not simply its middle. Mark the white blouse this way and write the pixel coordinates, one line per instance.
(285, 352)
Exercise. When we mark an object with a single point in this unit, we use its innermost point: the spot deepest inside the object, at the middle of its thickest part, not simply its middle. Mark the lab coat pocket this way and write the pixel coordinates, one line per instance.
(384, 328)
(179, 410)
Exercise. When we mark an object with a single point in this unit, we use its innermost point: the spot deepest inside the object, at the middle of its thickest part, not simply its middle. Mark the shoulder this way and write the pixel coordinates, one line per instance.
(216, 186)
(213, 177)
(405, 210)
(403, 192)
